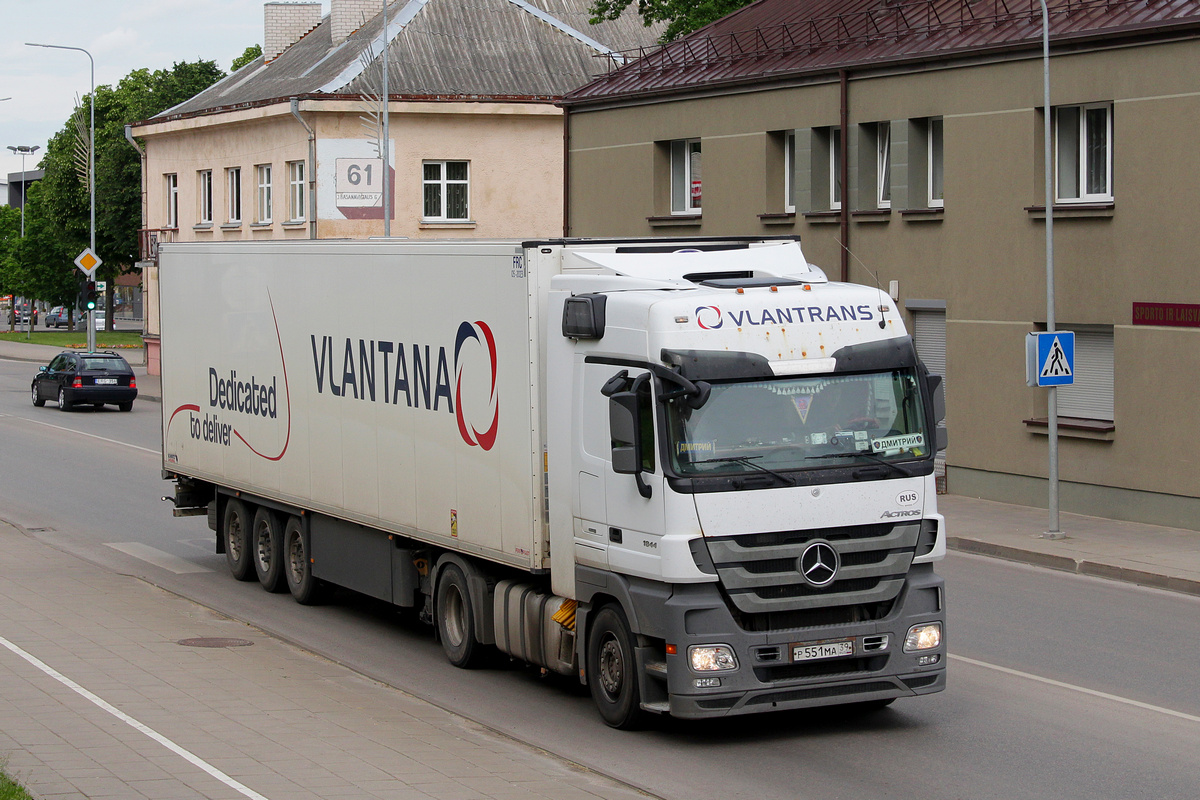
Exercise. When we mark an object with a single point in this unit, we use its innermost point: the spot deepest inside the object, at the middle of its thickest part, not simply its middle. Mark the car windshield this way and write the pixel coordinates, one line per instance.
(807, 422)
(99, 362)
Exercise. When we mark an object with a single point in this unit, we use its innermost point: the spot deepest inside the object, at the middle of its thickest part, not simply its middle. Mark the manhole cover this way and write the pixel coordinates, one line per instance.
(214, 641)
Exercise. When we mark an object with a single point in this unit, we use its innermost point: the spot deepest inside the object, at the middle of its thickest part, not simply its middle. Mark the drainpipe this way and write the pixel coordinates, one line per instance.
(312, 169)
(142, 155)
(844, 176)
(566, 185)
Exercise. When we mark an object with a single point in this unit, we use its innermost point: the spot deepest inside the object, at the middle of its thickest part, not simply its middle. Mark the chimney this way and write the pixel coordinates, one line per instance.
(347, 16)
(285, 24)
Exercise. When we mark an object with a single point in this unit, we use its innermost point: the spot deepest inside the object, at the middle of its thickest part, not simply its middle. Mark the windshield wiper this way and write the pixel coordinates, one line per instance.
(748, 462)
(869, 457)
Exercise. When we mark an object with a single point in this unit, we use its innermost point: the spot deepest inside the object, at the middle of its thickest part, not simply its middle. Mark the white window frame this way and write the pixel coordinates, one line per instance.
(883, 165)
(789, 171)
(262, 174)
(297, 191)
(205, 180)
(936, 160)
(172, 200)
(1070, 145)
(686, 182)
(444, 182)
(233, 184)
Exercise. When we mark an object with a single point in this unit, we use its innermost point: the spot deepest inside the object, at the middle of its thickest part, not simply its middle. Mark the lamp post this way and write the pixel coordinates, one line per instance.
(91, 323)
(24, 150)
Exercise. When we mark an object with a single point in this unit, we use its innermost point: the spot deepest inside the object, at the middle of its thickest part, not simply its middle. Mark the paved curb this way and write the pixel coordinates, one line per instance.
(1078, 566)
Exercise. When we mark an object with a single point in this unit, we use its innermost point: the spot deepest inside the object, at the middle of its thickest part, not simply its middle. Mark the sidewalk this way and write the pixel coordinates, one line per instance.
(112, 688)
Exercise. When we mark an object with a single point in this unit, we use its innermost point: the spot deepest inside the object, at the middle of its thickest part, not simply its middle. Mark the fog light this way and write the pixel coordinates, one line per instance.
(712, 657)
(925, 661)
(923, 637)
(706, 683)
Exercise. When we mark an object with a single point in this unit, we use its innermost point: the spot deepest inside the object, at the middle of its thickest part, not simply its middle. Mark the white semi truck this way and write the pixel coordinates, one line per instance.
(696, 474)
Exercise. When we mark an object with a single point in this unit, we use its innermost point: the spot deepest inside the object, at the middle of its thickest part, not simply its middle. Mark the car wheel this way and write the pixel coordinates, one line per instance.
(125, 406)
(456, 619)
(37, 400)
(266, 540)
(612, 670)
(297, 565)
(62, 399)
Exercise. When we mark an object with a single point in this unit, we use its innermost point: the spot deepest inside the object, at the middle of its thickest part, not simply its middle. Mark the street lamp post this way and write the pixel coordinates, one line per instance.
(24, 150)
(91, 322)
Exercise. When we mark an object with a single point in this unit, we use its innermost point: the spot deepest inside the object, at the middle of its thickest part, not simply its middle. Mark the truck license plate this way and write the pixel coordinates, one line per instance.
(107, 381)
(814, 651)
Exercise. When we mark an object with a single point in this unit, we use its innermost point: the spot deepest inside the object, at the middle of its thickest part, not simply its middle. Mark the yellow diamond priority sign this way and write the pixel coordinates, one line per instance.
(88, 262)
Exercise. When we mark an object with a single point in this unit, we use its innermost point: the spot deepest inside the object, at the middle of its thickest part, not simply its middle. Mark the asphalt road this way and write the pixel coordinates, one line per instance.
(1060, 686)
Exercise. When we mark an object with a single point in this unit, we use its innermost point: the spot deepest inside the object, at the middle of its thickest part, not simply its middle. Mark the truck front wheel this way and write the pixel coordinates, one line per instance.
(297, 564)
(456, 619)
(235, 529)
(612, 669)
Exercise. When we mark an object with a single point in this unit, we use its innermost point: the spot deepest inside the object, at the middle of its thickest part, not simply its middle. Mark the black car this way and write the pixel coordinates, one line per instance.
(85, 378)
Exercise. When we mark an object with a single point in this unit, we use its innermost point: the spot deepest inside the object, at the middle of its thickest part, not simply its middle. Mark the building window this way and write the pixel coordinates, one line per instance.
(204, 179)
(789, 172)
(446, 188)
(935, 169)
(883, 165)
(835, 169)
(685, 176)
(1091, 396)
(233, 180)
(1083, 153)
(297, 209)
(263, 178)
(172, 201)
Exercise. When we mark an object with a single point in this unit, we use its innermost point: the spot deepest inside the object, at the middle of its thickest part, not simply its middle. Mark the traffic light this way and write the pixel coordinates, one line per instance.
(89, 296)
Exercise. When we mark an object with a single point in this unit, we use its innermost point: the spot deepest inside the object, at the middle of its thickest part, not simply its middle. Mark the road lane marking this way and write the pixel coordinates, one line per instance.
(1081, 689)
(159, 558)
(133, 723)
(82, 433)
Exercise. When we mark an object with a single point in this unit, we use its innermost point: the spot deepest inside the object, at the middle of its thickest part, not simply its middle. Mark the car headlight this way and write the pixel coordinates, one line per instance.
(712, 657)
(923, 637)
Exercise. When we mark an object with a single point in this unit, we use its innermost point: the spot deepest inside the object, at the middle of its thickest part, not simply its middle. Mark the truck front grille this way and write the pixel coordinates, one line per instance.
(761, 576)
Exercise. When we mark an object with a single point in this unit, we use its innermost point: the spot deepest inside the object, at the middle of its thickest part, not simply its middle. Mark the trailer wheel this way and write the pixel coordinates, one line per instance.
(456, 619)
(297, 564)
(267, 541)
(612, 669)
(235, 529)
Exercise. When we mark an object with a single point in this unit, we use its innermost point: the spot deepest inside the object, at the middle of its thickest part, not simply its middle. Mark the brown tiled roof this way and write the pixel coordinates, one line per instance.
(779, 39)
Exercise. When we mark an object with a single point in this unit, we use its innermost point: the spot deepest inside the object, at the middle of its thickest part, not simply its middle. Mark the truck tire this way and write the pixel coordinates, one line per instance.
(456, 619)
(612, 669)
(297, 564)
(267, 546)
(235, 531)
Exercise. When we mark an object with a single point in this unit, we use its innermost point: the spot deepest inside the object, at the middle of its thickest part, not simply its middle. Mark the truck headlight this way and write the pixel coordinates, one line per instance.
(923, 637)
(712, 657)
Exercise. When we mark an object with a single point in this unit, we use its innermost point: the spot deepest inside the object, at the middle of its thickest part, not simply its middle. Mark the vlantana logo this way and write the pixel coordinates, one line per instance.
(714, 318)
(472, 436)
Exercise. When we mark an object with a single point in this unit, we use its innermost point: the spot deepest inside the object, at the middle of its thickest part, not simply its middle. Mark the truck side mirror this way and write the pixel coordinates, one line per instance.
(623, 415)
(937, 389)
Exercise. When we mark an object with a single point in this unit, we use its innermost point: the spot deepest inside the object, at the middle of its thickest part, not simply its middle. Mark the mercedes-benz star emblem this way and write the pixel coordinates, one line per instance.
(819, 564)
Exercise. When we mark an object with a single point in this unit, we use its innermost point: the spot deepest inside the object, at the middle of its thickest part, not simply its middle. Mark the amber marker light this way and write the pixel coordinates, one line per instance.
(672, 649)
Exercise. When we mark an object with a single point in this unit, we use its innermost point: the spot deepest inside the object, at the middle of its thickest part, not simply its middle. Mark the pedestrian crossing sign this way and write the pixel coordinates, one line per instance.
(1050, 358)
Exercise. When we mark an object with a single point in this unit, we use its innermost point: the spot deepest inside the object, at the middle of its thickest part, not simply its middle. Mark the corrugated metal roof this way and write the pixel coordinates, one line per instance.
(778, 39)
(439, 49)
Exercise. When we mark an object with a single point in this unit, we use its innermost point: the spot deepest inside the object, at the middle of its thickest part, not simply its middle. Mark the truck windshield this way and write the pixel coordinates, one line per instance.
(808, 422)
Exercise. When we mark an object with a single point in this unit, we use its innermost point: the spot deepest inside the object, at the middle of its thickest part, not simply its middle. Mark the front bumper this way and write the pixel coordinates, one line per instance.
(766, 677)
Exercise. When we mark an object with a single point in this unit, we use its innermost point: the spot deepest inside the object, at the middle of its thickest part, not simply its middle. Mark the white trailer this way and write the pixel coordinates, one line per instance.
(695, 473)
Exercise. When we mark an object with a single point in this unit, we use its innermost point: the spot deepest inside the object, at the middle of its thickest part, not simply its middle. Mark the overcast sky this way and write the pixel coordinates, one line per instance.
(121, 35)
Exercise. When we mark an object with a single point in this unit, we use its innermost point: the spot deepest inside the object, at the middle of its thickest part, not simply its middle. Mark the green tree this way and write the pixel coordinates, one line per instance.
(251, 53)
(682, 16)
(62, 207)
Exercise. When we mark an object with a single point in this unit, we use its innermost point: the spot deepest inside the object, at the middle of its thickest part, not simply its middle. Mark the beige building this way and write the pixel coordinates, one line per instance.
(912, 134)
(293, 146)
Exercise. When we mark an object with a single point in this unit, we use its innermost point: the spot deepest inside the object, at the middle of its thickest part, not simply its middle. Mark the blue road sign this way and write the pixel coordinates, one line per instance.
(1056, 358)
